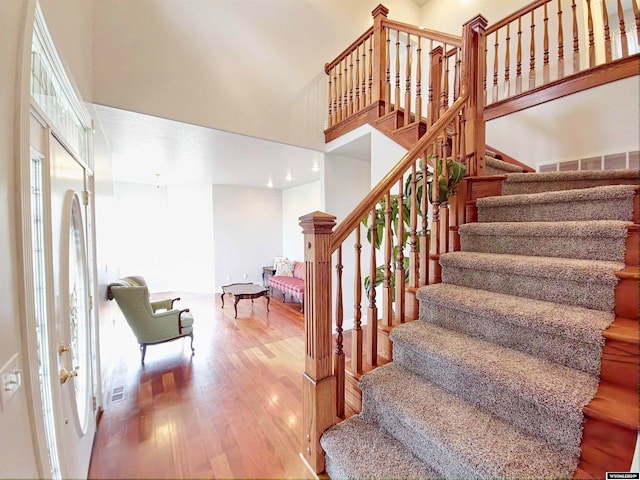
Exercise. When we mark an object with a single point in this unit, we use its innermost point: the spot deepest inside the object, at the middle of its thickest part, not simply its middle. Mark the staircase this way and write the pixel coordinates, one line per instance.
(500, 372)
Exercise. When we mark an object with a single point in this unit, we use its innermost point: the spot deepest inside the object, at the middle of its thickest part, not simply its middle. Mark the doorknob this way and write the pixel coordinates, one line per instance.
(62, 348)
(66, 374)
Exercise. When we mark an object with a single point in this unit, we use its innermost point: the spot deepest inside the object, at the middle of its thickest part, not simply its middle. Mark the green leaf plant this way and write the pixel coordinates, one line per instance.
(455, 173)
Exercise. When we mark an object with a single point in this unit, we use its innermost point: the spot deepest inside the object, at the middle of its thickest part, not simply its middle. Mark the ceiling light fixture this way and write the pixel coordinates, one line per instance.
(270, 184)
(288, 178)
(315, 167)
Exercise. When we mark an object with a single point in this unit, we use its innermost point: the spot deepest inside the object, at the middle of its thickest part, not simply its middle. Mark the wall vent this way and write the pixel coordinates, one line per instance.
(605, 162)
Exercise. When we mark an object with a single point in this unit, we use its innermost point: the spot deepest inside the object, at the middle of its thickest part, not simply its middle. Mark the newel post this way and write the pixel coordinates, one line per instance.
(318, 381)
(473, 73)
(379, 58)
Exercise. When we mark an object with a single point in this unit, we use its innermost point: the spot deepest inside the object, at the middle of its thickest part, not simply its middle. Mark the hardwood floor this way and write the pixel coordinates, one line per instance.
(233, 410)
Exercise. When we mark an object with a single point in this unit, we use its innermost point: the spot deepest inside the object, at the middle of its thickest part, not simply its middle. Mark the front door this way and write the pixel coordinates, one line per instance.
(71, 326)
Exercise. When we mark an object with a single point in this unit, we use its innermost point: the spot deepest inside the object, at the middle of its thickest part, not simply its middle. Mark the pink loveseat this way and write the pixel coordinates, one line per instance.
(293, 286)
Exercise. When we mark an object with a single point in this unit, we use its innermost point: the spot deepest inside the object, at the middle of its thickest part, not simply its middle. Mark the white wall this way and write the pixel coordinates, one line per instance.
(164, 234)
(247, 232)
(385, 153)
(170, 57)
(593, 122)
(296, 202)
(346, 182)
(17, 457)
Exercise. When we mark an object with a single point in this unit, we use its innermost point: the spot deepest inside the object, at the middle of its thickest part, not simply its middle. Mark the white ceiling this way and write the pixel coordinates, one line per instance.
(143, 145)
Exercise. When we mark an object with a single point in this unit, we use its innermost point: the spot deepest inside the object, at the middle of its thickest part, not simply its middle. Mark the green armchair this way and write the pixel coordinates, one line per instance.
(151, 322)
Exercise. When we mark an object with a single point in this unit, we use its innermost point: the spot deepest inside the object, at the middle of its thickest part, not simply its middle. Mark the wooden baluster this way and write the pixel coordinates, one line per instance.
(371, 68)
(372, 311)
(519, 59)
(407, 86)
(607, 33)
(435, 274)
(560, 42)
(444, 214)
(453, 222)
(387, 82)
(433, 108)
(444, 105)
(545, 55)
(419, 81)
(363, 88)
(397, 90)
(484, 79)
(387, 293)
(413, 225)
(345, 89)
(494, 97)
(338, 358)
(357, 83)
(592, 44)
(319, 383)
(400, 281)
(507, 62)
(532, 54)
(636, 14)
(339, 91)
(351, 109)
(330, 120)
(623, 32)
(423, 268)
(456, 80)
(576, 41)
(356, 333)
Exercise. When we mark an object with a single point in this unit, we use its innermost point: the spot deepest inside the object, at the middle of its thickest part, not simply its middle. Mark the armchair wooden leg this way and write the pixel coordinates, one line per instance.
(143, 352)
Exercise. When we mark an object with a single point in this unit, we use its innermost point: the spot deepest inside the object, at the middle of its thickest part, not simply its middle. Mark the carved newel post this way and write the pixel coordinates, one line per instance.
(319, 383)
(473, 73)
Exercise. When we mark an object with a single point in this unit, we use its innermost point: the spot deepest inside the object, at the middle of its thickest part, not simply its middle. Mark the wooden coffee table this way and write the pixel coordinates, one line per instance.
(240, 291)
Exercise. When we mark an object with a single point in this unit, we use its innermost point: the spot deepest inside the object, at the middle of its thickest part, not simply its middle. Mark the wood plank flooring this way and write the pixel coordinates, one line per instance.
(233, 410)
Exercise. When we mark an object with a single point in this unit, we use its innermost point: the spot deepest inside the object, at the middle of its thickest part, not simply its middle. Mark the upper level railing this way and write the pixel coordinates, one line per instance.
(548, 42)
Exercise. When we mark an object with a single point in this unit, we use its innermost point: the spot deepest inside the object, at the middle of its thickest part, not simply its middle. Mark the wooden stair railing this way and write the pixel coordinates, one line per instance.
(324, 377)
(556, 54)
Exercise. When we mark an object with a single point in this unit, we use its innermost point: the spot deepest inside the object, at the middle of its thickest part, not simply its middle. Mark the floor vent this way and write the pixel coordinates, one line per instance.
(117, 394)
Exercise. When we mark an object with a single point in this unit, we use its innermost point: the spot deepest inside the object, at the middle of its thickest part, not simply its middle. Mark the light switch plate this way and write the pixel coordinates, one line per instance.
(10, 380)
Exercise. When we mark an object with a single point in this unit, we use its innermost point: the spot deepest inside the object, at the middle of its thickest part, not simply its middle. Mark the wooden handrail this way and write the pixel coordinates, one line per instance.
(423, 32)
(348, 50)
(345, 228)
(515, 15)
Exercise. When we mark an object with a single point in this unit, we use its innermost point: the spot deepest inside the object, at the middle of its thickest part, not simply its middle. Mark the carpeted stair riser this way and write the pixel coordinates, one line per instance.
(348, 443)
(480, 374)
(556, 181)
(603, 240)
(600, 203)
(457, 439)
(563, 281)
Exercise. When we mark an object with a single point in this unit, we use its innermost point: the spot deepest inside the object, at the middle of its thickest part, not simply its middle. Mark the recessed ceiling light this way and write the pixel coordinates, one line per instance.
(315, 167)
(288, 178)
(270, 184)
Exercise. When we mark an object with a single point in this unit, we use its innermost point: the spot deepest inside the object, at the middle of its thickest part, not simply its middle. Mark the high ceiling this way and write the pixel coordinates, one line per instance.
(250, 67)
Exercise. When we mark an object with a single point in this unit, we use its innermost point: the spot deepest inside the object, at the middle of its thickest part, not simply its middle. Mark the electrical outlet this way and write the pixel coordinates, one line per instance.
(10, 380)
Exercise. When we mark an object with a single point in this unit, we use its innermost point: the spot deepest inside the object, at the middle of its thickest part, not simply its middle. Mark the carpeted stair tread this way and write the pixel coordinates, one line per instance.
(594, 240)
(582, 324)
(534, 394)
(495, 166)
(356, 448)
(518, 183)
(577, 270)
(584, 283)
(613, 202)
(456, 438)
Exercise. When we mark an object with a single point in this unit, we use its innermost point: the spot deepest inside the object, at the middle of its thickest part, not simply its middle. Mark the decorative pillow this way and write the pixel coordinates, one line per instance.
(284, 267)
